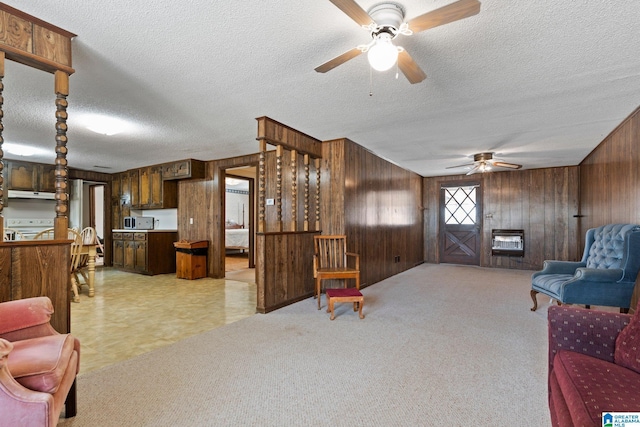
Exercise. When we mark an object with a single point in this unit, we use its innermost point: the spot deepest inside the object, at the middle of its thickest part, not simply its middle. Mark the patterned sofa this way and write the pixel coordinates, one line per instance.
(594, 365)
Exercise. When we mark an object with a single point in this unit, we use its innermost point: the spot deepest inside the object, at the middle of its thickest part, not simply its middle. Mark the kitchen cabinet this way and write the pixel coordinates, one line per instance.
(125, 188)
(184, 169)
(140, 249)
(47, 178)
(151, 187)
(129, 253)
(134, 182)
(143, 188)
(155, 193)
(27, 176)
(120, 198)
(116, 203)
(146, 252)
(118, 250)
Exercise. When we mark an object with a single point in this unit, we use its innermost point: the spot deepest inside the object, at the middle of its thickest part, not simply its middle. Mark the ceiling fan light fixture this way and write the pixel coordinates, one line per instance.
(383, 54)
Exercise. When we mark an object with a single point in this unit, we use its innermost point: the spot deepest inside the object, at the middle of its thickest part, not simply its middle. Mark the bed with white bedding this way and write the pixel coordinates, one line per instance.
(236, 238)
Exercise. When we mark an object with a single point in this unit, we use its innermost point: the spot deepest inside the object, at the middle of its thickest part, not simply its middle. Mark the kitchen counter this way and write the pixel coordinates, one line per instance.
(145, 251)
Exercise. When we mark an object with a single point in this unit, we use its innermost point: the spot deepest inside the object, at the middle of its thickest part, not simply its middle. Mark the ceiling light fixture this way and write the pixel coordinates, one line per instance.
(383, 54)
(484, 167)
(105, 125)
(22, 150)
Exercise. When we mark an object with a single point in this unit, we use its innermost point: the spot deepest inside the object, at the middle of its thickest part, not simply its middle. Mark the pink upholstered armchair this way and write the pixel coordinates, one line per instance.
(38, 366)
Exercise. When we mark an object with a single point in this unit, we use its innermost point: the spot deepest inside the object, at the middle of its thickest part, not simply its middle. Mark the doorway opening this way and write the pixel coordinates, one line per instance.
(87, 209)
(239, 224)
(460, 222)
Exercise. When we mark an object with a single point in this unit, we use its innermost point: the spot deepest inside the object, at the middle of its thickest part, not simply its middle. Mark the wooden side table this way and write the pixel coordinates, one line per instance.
(191, 259)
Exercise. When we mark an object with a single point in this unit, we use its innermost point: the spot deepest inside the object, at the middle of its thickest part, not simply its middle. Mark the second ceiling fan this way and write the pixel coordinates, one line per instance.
(385, 21)
(484, 162)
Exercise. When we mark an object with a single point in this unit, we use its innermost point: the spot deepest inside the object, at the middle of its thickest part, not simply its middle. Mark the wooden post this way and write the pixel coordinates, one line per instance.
(306, 192)
(294, 190)
(261, 187)
(1, 152)
(61, 222)
(279, 150)
(317, 195)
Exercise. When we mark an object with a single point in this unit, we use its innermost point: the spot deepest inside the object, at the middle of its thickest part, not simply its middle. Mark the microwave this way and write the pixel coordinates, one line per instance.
(138, 223)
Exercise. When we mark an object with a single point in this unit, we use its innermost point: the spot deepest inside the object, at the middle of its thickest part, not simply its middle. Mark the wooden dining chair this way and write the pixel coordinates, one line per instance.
(89, 237)
(44, 234)
(49, 234)
(76, 255)
(11, 235)
(330, 262)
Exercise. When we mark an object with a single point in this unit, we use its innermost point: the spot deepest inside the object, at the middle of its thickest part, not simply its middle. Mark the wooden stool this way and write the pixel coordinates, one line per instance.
(344, 295)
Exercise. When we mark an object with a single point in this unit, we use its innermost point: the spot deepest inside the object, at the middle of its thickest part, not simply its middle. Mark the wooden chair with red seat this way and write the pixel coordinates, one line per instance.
(330, 262)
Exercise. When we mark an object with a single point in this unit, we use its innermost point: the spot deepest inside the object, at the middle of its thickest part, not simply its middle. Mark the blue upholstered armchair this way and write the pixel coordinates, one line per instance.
(606, 275)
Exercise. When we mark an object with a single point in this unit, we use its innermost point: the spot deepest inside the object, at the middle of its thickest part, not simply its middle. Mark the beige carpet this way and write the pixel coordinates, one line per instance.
(440, 345)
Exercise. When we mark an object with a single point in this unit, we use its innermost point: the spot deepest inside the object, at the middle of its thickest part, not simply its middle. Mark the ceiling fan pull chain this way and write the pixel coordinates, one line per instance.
(370, 81)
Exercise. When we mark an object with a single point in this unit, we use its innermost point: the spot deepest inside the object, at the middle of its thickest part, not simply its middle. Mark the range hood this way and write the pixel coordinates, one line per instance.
(16, 194)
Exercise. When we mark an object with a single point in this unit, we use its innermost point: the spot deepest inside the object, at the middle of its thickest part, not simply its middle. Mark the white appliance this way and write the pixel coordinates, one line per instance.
(29, 226)
(138, 222)
(17, 194)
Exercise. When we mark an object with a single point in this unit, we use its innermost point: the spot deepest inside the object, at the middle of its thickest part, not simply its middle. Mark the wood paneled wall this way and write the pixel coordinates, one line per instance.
(30, 268)
(610, 178)
(202, 200)
(376, 204)
(542, 202)
(285, 268)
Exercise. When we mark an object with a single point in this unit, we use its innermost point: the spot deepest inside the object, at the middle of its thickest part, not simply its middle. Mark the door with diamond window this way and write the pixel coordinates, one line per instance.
(460, 222)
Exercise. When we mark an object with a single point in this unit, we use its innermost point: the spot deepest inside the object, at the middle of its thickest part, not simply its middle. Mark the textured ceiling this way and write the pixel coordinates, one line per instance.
(539, 83)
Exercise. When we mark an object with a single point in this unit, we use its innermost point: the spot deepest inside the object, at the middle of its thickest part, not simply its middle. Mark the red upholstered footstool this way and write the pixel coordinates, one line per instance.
(344, 295)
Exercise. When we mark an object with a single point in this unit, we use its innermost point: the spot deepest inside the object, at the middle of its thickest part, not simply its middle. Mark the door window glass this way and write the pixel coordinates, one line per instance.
(460, 205)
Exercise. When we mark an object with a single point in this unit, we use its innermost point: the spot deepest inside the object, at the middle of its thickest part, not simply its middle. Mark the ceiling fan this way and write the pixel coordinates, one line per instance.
(484, 162)
(384, 22)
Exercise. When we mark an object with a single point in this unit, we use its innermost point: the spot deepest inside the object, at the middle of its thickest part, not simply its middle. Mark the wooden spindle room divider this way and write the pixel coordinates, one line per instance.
(39, 268)
(287, 222)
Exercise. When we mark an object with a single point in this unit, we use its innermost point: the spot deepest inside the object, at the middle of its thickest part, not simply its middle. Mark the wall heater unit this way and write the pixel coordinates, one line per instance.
(507, 242)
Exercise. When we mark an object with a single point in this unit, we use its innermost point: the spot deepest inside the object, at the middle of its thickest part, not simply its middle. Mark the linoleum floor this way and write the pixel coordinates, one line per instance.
(131, 314)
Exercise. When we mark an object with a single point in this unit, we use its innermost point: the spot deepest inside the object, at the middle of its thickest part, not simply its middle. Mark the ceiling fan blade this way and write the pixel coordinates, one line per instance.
(460, 166)
(475, 169)
(506, 165)
(353, 11)
(409, 68)
(446, 14)
(338, 60)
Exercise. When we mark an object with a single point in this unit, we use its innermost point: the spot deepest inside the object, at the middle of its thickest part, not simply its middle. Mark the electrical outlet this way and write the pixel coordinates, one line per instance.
(190, 220)
(270, 202)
